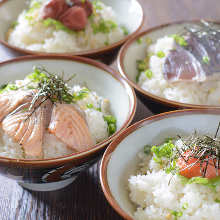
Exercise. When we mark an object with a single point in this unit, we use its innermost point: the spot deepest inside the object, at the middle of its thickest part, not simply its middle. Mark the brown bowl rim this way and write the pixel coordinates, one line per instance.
(112, 147)
(92, 52)
(155, 98)
(95, 148)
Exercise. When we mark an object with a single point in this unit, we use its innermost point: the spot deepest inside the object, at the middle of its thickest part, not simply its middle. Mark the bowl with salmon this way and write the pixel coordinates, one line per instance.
(175, 65)
(72, 27)
(171, 169)
(57, 115)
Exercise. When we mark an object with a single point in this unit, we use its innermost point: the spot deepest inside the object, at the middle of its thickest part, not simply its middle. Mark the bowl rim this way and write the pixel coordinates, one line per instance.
(111, 148)
(151, 96)
(77, 156)
(92, 52)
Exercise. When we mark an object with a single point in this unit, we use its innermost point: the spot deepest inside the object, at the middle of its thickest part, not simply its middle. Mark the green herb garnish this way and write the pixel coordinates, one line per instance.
(180, 40)
(103, 26)
(139, 40)
(160, 54)
(96, 5)
(176, 214)
(50, 87)
(217, 200)
(206, 59)
(149, 74)
(90, 106)
(58, 25)
(14, 24)
(83, 93)
(34, 5)
(111, 121)
(164, 150)
(141, 66)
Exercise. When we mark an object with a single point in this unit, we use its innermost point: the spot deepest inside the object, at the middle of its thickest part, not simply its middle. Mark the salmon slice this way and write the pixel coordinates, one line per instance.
(68, 125)
(9, 101)
(27, 127)
(190, 167)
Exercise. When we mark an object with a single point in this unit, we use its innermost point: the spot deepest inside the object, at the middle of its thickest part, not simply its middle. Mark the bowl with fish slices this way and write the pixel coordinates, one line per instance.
(171, 170)
(57, 115)
(70, 27)
(175, 65)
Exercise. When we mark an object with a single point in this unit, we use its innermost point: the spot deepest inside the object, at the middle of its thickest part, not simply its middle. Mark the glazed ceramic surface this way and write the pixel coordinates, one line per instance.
(97, 77)
(133, 51)
(129, 13)
(120, 159)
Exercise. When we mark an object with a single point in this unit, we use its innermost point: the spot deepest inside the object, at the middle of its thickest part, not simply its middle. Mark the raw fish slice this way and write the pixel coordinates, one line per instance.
(204, 46)
(199, 60)
(68, 125)
(9, 101)
(180, 64)
(27, 127)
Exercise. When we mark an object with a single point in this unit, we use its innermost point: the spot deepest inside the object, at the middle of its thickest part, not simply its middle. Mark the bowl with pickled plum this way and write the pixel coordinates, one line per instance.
(68, 26)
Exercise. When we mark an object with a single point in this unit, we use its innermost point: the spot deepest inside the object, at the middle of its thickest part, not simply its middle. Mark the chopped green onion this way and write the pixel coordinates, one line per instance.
(14, 24)
(149, 74)
(96, 5)
(176, 214)
(139, 40)
(90, 106)
(83, 93)
(58, 25)
(104, 26)
(111, 121)
(217, 200)
(160, 54)
(206, 59)
(180, 40)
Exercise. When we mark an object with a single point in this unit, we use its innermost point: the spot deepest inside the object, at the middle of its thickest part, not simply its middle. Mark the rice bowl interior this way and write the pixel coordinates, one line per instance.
(157, 195)
(78, 43)
(154, 46)
(92, 105)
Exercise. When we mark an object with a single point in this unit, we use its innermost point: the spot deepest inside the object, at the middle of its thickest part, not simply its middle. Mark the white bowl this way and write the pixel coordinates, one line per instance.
(51, 174)
(132, 51)
(120, 159)
(129, 13)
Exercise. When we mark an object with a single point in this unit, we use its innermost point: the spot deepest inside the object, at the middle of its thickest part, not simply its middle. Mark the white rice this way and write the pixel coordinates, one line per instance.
(156, 194)
(52, 147)
(38, 37)
(205, 93)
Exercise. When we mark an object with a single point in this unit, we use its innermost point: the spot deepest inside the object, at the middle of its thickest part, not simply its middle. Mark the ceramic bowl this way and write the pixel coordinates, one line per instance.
(51, 174)
(133, 50)
(120, 160)
(129, 13)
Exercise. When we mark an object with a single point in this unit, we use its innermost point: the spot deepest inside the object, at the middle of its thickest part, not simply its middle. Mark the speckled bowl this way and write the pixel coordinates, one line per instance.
(120, 160)
(51, 174)
(129, 13)
(132, 51)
